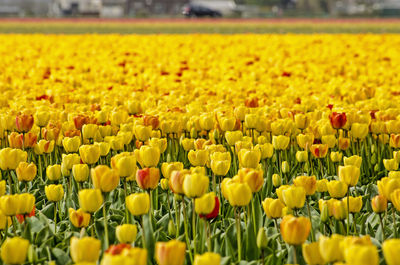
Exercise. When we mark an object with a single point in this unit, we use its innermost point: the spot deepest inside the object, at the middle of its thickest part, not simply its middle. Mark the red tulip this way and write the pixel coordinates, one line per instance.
(24, 122)
(338, 120)
(214, 212)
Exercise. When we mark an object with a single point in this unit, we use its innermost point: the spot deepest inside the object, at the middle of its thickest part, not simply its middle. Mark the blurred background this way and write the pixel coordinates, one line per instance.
(199, 8)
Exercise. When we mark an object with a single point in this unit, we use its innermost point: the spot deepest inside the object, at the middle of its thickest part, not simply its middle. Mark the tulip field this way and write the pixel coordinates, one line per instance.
(201, 149)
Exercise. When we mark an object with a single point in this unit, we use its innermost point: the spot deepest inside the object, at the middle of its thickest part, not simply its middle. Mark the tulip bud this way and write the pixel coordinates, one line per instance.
(262, 239)
(171, 228)
(285, 167)
(276, 180)
(336, 156)
(325, 212)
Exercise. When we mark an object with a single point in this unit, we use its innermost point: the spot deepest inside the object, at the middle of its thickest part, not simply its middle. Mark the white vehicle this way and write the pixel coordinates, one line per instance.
(76, 7)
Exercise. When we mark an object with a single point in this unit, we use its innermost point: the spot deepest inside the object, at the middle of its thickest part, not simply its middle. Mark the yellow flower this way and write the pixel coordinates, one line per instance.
(295, 230)
(359, 130)
(80, 172)
(305, 140)
(90, 200)
(143, 133)
(205, 204)
(14, 250)
(239, 194)
(329, 248)
(253, 178)
(160, 143)
(104, 178)
(391, 249)
(11, 205)
(54, 193)
(147, 156)
(311, 254)
(90, 154)
(233, 136)
(79, 218)
(249, 158)
(187, 144)
(124, 163)
(337, 189)
(354, 160)
(395, 196)
(280, 142)
(301, 156)
(195, 185)
(355, 203)
(53, 172)
(349, 175)
(67, 163)
(322, 185)
(26, 172)
(266, 149)
(273, 208)
(148, 178)
(2, 187)
(10, 158)
(390, 164)
(71, 144)
(336, 156)
(361, 255)
(339, 210)
(329, 140)
(208, 258)
(387, 185)
(379, 204)
(44, 146)
(294, 197)
(309, 183)
(126, 233)
(138, 203)
(41, 118)
(301, 121)
(170, 253)
(167, 168)
(89, 131)
(198, 157)
(86, 249)
(104, 148)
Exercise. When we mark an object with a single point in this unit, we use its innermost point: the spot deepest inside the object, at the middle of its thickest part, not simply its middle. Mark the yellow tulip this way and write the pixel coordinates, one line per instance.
(361, 255)
(309, 183)
(78, 218)
(14, 250)
(198, 157)
(90, 154)
(205, 204)
(239, 194)
(53, 172)
(148, 178)
(337, 188)
(379, 204)
(391, 249)
(311, 254)
(295, 230)
(54, 193)
(71, 144)
(80, 172)
(330, 248)
(330, 140)
(273, 208)
(126, 233)
(390, 164)
(104, 178)
(170, 253)
(280, 142)
(354, 160)
(147, 156)
(138, 203)
(253, 178)
(26, 172)
(355, 204)
(10, 158)
(167, 168)
(208, 258)
(124, 163)
(90, 200)
(86, 249)
(195, 185)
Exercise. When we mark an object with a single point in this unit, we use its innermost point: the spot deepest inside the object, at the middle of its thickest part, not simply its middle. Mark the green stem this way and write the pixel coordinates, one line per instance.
(143, 234)
(177, 218)
(383, 227)
(105, 223)
(309, 215)
(186, 230)
(294, 254)
(239, 241)
(207, 231)
(348, 210)
(55, 218)
(194, 226)
(253, 213)
(126, 208)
